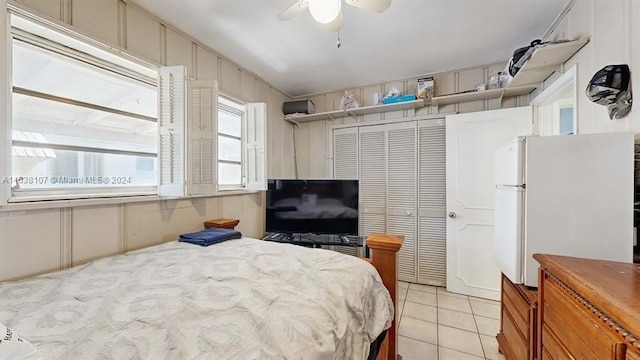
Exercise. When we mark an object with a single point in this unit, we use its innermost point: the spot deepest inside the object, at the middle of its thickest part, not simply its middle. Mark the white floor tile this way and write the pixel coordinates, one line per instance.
(490, 346)
(456, 319)
(425, 288)
(436, 324)
(487, 326)
(400, 310)
(460, 340)
(401, 293)
(421, 297)
(450, 354)
(419, 330)
(486, 310)
(444, 291)
(473, 298)
(411, 349)
(421, 312)
(454, 303)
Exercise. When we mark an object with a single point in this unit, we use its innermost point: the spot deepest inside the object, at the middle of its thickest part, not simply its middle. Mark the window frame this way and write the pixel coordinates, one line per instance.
(68, 44)
(236, 107)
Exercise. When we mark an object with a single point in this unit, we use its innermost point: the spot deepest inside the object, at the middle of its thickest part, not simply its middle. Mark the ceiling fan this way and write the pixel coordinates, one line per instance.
(329, 12)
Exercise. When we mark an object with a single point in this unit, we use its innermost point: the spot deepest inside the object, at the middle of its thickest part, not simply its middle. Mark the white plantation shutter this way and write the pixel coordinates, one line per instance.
(345, 153)
(401, 194)
(255, 146)
(203, 129)
(172, 130)
(373, 179)
(432, 203)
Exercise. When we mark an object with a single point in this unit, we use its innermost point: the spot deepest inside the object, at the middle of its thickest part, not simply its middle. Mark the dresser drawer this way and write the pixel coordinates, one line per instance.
(580, 331)
(632, 355)
(521, 323)
(519, 304)
(517, 342)
(552, 348)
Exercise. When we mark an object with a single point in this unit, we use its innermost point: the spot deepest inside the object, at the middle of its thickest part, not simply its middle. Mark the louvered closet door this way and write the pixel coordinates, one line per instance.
(432, 229)
(401, 194)
(345, 153)
(345, 166)
(373, 179)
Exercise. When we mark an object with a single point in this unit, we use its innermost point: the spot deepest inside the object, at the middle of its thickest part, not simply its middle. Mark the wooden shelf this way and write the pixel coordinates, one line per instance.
(466, 97)
(544, 61)
(375, 109)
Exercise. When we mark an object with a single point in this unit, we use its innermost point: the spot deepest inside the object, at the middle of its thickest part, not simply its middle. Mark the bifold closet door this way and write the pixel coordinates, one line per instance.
(345, 167)
(373, 179)
(432, 203)
(345, 153)
(401, 194)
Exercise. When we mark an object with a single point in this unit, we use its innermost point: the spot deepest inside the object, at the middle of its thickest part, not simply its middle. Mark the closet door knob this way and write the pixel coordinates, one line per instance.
(453, 215)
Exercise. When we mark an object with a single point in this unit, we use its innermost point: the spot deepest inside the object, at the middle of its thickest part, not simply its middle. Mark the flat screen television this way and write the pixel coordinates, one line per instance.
(312, 206)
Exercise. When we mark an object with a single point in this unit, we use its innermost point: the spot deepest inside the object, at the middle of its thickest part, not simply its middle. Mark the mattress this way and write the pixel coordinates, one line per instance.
(241, 299)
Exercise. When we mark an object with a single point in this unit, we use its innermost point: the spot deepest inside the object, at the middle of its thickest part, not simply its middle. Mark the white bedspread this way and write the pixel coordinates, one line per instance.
(241, 299)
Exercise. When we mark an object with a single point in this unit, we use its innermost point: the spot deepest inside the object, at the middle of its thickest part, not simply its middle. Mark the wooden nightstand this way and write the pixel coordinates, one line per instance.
(222, 223)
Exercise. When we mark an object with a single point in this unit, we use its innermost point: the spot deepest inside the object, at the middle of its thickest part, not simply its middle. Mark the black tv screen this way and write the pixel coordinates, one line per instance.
(312, 206)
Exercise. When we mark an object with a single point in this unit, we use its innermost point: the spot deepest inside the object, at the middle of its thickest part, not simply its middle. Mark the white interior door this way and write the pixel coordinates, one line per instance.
(472, 140)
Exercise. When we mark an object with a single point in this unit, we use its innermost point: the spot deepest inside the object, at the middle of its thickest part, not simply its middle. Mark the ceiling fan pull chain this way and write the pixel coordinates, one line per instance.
(338, 44)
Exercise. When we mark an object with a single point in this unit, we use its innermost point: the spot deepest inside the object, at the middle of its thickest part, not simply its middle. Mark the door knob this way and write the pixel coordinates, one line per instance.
(452, 214)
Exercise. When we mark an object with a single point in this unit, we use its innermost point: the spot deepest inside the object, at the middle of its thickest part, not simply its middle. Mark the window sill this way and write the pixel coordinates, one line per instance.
(70, 203)
(231, 192)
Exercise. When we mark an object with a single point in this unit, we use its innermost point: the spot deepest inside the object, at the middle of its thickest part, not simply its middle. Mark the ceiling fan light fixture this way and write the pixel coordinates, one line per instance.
(325, 11)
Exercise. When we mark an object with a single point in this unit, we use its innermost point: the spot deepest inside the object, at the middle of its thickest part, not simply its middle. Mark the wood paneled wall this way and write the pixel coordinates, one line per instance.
(69, 236)
(313, 145)
(36, 241)
(614, 32)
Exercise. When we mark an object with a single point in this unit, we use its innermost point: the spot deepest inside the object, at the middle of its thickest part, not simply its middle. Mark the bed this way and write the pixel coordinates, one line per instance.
(240, 299)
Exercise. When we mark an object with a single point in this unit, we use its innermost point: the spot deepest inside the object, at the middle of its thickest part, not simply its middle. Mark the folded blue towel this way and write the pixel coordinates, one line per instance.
(210, 236)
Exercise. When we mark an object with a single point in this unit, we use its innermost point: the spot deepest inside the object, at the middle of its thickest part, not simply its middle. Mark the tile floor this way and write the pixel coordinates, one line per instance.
(436, 324)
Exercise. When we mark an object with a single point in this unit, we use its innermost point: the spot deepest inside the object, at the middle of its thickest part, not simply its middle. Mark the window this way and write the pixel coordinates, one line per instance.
(231, 116)
(208, 142)
(566, 120)
(84, 121)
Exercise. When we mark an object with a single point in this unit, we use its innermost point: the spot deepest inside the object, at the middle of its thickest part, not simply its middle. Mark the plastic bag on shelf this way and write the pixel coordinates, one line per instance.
(348, 101)
(393, 92)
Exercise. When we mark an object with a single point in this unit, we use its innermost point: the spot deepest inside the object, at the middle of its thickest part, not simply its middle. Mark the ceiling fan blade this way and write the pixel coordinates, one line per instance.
(336, 24)
(293, 10)
(371, 5)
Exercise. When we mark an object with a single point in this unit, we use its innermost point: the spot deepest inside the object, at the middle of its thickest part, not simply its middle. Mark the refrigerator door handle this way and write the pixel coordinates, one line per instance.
(523, 186)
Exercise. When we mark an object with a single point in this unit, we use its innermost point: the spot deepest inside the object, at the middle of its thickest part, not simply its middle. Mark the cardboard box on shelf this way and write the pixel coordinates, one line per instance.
(424, 90)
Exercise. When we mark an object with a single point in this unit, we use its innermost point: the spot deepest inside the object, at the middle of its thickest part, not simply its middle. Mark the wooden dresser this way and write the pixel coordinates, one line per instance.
(588, 309)
(518, 314)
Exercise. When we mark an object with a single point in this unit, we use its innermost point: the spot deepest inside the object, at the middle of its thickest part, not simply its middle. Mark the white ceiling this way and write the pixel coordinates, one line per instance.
(411, 38)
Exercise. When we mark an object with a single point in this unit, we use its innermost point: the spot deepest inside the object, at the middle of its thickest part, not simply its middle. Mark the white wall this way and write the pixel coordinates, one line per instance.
(35, 241)
(614, 30)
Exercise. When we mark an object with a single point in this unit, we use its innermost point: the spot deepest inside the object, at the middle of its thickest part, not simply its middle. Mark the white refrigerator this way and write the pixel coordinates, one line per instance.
(566, 195)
